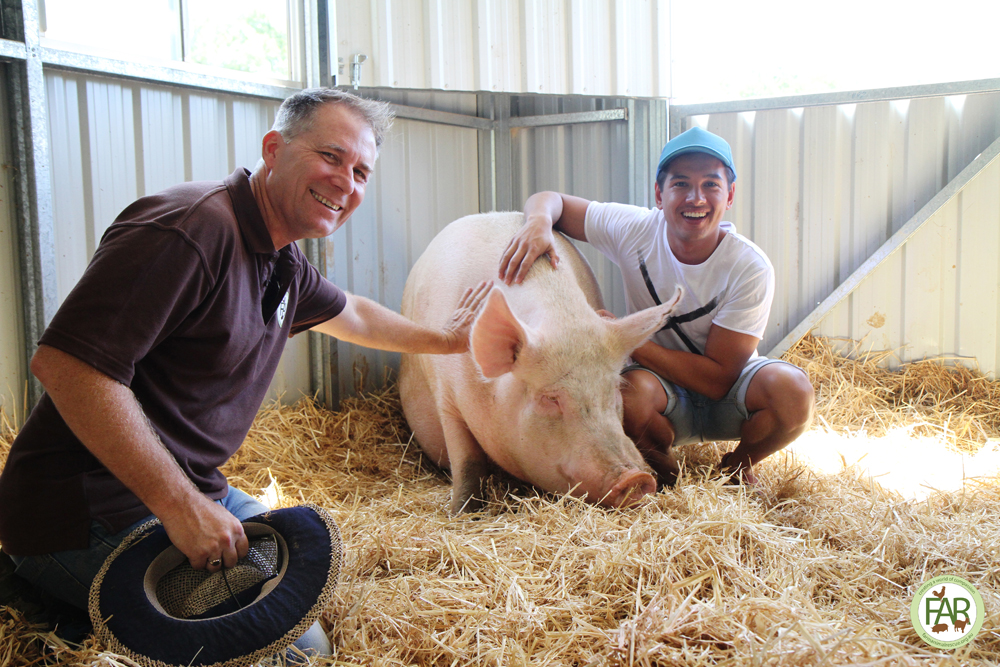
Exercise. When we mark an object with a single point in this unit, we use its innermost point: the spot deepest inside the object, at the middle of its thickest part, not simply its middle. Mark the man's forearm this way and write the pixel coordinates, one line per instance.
(108, 420)
(695, 372)
(372, 325)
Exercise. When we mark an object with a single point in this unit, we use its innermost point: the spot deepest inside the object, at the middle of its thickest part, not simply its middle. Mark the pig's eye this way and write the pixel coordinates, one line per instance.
(549, 404)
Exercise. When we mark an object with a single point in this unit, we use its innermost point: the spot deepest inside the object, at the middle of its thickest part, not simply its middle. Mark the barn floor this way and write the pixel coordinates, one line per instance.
(888, 490)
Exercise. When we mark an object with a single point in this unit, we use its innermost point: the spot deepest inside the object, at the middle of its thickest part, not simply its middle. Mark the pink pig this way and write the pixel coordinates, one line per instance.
(538, 392)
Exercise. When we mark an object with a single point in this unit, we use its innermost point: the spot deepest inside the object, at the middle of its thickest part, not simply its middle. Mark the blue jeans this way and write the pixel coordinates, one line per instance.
(67, 575)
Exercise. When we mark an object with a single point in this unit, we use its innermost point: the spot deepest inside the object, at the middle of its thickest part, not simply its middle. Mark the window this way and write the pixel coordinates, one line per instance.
(250, 36)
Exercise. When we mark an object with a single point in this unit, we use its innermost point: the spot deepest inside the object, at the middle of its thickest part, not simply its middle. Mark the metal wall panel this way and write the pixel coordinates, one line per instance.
(821, 188)
(427, 175)
(114, 140)
(586, 47)
(938, 294)
(13, 374)
(589, 160)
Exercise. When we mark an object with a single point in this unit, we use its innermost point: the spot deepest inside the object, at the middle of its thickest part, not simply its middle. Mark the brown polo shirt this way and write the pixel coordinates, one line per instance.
(187, 303)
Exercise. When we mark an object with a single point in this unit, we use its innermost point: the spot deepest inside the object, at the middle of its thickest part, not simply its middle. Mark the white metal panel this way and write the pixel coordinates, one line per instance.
(13, 374)
(162, 138)
(208, 145)
(69, 199)
(110, 165)
(864, 170)
(938, 295)
(113, 141)
(590, 47)
(427, 176)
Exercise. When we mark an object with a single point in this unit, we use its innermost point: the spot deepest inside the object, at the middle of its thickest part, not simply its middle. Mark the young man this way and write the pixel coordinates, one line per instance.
(699, 379)
(157, 362)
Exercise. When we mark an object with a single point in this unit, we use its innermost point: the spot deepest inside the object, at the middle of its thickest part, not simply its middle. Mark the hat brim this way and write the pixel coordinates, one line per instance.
(132, 624)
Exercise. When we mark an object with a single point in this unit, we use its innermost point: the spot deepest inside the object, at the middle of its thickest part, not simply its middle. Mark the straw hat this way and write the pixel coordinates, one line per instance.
(149, 604)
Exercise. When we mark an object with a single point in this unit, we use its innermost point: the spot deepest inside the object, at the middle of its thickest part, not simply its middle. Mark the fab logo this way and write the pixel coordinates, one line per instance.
(947, 612)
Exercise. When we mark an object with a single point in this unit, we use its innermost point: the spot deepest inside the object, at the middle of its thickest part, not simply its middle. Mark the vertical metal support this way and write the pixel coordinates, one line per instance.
(33, 185)
(323, 361)
(632, 152)
(503, 167)
(676, 123)
(487, 155)
(324, 41)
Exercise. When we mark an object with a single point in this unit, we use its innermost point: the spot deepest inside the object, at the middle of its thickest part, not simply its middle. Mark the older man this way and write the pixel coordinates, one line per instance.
(700, 378)
(155, 365)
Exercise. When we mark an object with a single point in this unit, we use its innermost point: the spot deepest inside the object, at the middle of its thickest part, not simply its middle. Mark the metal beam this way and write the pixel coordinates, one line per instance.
(894, 243)
(82, 62)
(847, 97)
(569, 118)
(12, 50)
(443, 117)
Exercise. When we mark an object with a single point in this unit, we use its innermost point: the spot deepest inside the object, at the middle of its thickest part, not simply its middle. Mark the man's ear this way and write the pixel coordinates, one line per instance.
(270, 145)
(732, 195)
(658, 195)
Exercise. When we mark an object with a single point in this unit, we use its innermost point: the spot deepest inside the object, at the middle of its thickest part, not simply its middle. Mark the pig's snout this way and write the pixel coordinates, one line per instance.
(630, 488)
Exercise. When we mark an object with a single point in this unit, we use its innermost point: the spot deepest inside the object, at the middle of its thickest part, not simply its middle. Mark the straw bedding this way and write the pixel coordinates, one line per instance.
(819, 568)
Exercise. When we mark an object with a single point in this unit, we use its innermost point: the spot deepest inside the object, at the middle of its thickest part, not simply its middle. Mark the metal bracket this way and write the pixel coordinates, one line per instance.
(356, 61)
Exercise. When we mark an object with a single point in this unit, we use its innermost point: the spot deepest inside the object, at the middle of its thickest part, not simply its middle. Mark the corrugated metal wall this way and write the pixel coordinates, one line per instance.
(937, 295)
(114, 140)
(822, 188)
(427, 175)
(13, 373)
(585, 47)
(590, 160)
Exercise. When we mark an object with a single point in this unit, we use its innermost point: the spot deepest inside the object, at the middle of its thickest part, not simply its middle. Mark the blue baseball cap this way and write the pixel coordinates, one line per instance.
(696, 140)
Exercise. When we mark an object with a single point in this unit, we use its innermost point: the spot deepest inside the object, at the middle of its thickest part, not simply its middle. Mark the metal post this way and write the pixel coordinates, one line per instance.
(503, 168)
(30, 147)
(485, 104)
(323, 361)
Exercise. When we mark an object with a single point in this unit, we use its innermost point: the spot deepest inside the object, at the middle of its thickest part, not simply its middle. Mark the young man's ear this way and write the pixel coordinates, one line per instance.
(732, 195)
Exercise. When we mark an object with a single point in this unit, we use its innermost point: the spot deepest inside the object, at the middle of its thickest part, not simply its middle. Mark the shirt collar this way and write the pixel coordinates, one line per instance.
(248, 216)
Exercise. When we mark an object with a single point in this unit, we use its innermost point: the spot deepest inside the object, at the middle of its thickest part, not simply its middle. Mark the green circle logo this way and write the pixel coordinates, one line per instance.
(947, 612)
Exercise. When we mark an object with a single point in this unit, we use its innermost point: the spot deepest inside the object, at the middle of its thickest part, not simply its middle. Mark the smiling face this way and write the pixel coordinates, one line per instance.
(316, 180)
(694, 197)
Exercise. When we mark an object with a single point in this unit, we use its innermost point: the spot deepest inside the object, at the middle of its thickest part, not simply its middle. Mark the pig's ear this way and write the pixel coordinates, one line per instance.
(635, 329)
(497, 336)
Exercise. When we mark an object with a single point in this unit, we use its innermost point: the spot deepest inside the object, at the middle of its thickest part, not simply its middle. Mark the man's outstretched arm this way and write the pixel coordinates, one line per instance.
(365, 322)
(106, 417)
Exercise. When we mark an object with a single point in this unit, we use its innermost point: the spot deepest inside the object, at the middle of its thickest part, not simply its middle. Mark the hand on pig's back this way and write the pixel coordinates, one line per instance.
(457, 329)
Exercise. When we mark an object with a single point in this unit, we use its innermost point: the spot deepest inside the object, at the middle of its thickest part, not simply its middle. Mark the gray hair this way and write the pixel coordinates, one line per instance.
(295, 115)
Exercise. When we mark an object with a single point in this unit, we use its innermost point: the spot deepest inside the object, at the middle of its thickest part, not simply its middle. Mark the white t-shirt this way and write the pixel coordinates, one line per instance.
(733, 288)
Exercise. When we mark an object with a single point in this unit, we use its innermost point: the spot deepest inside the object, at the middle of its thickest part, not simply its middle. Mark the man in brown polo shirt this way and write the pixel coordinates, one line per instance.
(157, 362)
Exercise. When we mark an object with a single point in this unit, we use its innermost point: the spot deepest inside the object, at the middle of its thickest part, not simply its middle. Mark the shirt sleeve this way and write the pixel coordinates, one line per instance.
(748, 305)
(319, 299)
(141, 284)
(615, 229)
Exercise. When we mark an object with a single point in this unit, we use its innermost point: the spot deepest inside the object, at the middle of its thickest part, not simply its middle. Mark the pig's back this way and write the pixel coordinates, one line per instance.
(468, 251)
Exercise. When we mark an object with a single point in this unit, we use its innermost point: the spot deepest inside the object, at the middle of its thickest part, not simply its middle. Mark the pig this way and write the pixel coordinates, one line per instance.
(940, 627)
(538, 391)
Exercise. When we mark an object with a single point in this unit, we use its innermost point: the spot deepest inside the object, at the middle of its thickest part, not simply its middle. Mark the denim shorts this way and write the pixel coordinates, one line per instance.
(697, 418)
